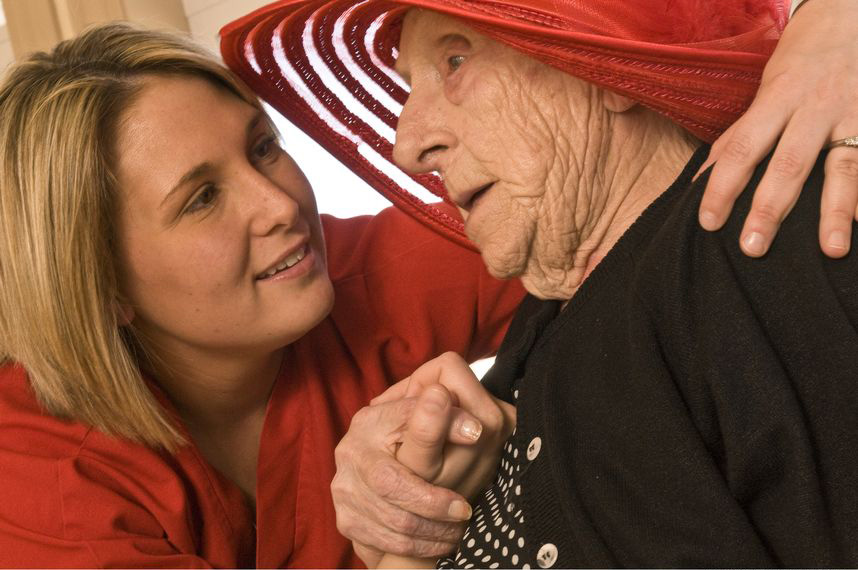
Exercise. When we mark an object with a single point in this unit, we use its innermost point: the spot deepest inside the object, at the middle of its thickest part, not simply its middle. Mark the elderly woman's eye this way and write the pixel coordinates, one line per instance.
(204, 199)
(455, 62)
(266, 148)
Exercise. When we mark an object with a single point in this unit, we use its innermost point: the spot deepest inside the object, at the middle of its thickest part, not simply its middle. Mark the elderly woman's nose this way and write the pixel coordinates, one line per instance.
(422, 142)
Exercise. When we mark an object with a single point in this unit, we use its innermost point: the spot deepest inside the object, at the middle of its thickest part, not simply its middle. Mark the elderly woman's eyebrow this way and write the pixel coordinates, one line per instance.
(452, 39)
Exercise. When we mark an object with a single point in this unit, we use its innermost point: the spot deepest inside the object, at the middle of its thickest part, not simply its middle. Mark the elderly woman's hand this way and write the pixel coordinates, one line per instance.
(807, 98)
(440, 385)
(382, 506)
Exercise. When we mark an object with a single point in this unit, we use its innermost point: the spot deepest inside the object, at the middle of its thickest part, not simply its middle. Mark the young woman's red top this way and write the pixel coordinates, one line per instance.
(71, 496)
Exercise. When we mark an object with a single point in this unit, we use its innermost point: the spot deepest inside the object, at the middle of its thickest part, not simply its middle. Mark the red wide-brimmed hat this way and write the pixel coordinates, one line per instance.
(327, 65)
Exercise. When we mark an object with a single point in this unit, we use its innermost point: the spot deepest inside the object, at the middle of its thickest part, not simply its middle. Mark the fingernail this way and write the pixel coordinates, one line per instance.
(755, 244)
(460, 510)
(708, 220)
(837, 240)
(472, 429)
(435, 398)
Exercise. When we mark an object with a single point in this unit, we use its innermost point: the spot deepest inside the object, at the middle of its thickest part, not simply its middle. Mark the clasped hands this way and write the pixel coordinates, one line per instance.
(414, 457)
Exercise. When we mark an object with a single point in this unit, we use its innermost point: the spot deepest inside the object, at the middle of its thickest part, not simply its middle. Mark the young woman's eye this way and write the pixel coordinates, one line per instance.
(266, 148)
(455, 61)
(204, 199)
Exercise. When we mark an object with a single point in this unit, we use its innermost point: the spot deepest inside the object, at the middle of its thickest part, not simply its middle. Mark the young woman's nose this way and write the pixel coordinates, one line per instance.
(423, 141)
(271, 207)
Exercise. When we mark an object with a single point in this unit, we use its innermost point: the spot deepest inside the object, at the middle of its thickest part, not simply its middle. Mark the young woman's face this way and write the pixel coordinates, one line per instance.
(220, 243)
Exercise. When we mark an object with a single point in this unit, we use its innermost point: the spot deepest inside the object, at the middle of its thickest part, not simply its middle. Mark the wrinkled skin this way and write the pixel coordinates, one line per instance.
(570, 164)
(819, 45)
(405, 438)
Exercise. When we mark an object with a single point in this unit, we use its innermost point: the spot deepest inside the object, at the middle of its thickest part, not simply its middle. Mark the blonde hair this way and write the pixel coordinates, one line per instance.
(58, 277)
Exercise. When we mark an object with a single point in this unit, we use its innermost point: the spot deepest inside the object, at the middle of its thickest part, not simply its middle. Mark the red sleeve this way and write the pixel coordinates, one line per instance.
(82, 515)
(413, 294)
(71, 497)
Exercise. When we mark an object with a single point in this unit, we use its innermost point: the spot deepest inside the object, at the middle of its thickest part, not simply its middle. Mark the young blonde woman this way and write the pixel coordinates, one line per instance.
(177, 372)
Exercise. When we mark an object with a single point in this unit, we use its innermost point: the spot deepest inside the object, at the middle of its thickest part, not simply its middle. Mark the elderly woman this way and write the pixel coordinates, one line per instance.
(678, 403)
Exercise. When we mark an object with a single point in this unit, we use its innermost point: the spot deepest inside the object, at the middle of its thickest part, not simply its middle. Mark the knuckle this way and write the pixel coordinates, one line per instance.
(424, 435)
(739, 148)
(400, 545)
(449, 357)
(425, 549)
(341, 452)
(787, 164)
(403, 522)
(361, 417)
(718, 193)
(838, 213)
(778, 86)
(766, 213)
(843, 167)
(346, 524)
(385, 480)
(493, 420)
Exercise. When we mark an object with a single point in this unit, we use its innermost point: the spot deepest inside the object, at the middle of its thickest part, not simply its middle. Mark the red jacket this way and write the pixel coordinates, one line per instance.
(71, 496)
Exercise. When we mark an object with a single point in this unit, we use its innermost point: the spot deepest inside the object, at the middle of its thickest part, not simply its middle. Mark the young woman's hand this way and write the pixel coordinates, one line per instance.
(806, 99)
(442, 385)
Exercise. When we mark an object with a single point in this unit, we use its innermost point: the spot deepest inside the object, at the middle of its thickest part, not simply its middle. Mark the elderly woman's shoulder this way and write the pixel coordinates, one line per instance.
(684, 268)
(796, 245)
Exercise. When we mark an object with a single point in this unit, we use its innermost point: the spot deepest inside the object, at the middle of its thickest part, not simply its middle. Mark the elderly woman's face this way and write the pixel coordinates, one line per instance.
(511, 137)
(220, 244)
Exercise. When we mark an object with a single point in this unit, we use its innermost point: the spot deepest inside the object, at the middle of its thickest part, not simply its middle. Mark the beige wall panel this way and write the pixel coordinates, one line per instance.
(194, 6)
(206, 23)
(74, 16)
(157, 13)
(6, 55)
(32, 25)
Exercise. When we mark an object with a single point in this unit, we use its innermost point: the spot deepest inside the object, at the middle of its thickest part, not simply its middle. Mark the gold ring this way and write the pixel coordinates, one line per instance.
(848, 141)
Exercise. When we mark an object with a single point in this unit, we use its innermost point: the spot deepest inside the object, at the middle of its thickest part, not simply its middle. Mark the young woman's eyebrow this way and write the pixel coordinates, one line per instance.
(191, 175)
(204, 167)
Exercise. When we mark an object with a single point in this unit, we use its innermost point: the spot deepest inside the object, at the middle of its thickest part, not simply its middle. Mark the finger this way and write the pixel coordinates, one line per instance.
(395, 484)
(404, 545)
(715, 151)
(782, 182)
(395, 392)
(750, 139)
(452, 372)
(423, 442)
(384, 521)
(465, 429)
(370, 556)
(839, 201)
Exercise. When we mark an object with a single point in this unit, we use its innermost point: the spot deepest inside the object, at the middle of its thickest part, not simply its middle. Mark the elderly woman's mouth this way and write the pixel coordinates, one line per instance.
(474, 197)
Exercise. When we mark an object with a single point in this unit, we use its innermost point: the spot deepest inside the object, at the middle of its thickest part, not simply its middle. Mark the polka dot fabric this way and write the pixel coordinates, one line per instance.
(495, 538)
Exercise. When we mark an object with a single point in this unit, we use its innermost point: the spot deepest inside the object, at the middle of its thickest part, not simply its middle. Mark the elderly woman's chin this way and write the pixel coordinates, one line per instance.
(547, 279)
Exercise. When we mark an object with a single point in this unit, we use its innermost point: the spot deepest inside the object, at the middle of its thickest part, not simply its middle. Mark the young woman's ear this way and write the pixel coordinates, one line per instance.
(124, 312)
(618, 103)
